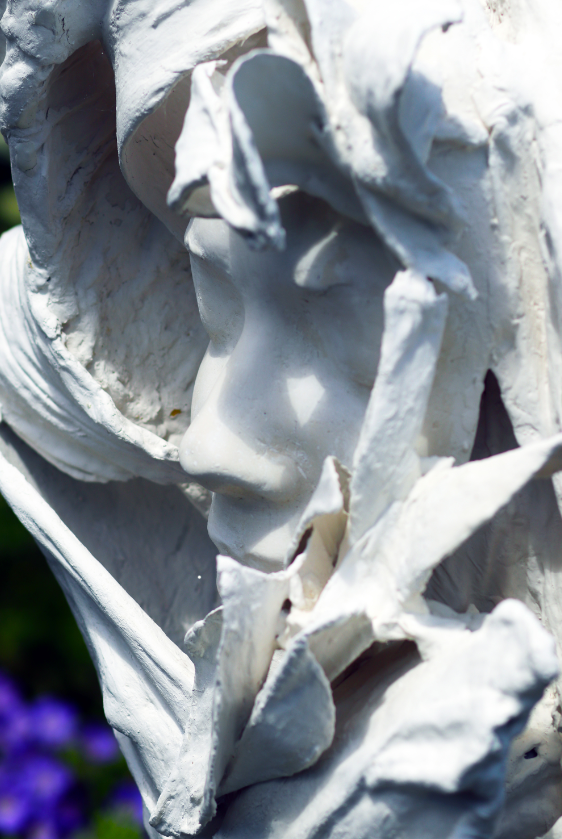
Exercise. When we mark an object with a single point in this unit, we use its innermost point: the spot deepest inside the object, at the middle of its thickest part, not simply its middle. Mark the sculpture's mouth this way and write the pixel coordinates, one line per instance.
(252, 531)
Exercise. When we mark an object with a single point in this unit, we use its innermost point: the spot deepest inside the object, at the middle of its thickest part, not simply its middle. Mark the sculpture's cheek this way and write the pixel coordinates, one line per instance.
(260, 432)
(294, 347)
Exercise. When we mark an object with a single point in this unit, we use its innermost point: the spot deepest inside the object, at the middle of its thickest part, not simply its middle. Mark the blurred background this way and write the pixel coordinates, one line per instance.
(61, 773)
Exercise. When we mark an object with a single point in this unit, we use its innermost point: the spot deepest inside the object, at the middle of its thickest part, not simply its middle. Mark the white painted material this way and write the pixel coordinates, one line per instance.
(295, 264)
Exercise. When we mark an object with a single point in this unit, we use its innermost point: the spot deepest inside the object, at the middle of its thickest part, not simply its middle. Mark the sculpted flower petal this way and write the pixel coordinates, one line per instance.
(383, 605)
(389, 703)
(67, 380)
(275, 743)
(334, 132)
(388, 44)
(237, 645)
(197, 156)
(191, 776)
(327, 511)
(386, 464)
(476, 491)
(419, 246)
(288, 31)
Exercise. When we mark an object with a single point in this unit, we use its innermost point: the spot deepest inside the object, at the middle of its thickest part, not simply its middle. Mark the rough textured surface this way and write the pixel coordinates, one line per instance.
(295, 264)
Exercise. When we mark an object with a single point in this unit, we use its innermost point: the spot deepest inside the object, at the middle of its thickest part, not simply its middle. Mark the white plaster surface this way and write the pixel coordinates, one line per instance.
(294, 265)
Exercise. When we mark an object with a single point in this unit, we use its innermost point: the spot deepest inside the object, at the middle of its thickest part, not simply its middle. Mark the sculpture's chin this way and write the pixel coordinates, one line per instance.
(253, 532)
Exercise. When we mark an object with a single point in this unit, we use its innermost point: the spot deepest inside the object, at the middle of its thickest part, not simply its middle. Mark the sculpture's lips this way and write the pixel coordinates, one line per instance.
(253, 532)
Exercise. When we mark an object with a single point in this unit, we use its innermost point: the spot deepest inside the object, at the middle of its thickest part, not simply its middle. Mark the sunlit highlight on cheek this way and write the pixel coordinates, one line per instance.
(305, 394)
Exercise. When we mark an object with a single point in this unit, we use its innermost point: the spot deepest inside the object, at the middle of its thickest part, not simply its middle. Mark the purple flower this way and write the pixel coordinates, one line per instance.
(44, 829)
(15, 730)
(53, 722)
(70, 813)
(10, 699)
(44, 779)
(14, 723)
(15, 807)
(126, 797)
(99, 743)
(39, 796)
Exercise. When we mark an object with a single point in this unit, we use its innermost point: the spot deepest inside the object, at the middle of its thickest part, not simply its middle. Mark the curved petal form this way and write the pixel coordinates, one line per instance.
(386, 464)
(172, 38)
(380, 581)
(347, 139)
(245, 691)
(240, 650)
(378, 54)
(254, 146)
(89, 300)
(457, 713)
(291, 132)
(275, 742)
(54, 404)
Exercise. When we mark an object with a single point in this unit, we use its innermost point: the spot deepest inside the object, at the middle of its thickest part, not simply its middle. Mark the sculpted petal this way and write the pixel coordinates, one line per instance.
(288, 30)
(191, 773)
(301, 152)
(275, 742)
(387, 44)
(233, 667)
(204, 143)
(386, 464)
(329, 24)
(394, 576)
(260, 149)
(480, 692)
(418, 245)
(327, 509)
(85, 308)
(476, 491)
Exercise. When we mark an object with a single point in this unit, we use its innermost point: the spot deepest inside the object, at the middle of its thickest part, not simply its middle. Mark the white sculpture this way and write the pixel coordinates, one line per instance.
(366, 312)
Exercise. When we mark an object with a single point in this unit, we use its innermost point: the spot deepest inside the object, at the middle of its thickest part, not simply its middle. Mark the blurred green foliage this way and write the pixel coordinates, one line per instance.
(40, 644)
(111, 824)
(9, 211)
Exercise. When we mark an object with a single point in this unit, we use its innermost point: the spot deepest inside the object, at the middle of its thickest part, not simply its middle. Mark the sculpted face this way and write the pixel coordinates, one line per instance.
(294, 348)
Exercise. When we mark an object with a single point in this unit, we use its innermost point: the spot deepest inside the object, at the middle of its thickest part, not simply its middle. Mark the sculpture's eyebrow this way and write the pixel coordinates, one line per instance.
(192, 242)
(214, 252)
(322, 266)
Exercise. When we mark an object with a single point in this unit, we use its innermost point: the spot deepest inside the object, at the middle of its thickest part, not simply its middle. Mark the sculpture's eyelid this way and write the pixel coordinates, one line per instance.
(212, 264)
(336, 283)
(323, 286)
(198, 252)
(199, 255)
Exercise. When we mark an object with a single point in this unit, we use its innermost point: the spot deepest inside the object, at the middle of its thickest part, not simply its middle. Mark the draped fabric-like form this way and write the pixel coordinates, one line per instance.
(384, 703)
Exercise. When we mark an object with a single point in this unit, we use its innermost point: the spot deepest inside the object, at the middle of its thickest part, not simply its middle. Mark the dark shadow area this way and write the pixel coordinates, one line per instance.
(515, 554)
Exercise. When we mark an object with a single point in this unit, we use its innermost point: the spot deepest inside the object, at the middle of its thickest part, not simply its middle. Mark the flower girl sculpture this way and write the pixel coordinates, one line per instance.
(294, 267)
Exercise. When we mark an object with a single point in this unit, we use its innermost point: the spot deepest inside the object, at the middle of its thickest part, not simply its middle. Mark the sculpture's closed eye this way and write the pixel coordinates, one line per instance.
(220, 304)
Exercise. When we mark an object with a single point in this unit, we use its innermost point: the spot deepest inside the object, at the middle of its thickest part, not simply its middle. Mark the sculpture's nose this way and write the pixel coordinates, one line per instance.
(215, 452)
